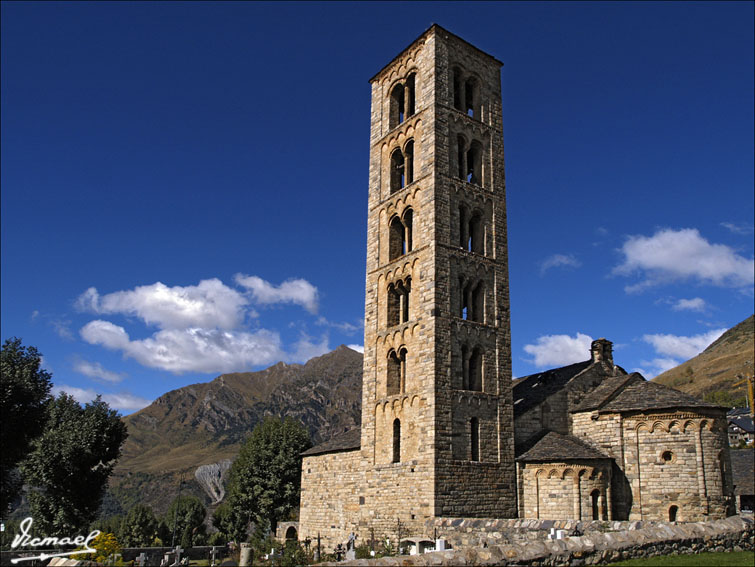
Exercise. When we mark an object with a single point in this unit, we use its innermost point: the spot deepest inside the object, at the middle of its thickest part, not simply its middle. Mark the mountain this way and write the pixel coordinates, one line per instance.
(205, 423)
(714, 371)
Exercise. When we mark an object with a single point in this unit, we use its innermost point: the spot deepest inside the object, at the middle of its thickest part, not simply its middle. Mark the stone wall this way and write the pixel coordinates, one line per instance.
(667, 463)
(330, 489)
(577, 490)
(595, 547)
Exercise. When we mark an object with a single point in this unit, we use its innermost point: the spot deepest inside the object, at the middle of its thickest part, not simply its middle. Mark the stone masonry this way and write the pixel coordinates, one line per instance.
(437, 421)
(445, 433)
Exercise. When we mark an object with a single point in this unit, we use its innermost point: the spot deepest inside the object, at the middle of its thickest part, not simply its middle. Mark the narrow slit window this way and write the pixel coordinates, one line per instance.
(475, 370)
(409, 162)
(396, 440)
(474, 438)
(393, 383)
(411, 94)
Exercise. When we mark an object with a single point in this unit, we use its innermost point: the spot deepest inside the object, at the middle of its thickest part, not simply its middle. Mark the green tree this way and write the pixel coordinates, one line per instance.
(265, 479)
(139, 527)
(24, 394)
(186, 516)
(70, 463)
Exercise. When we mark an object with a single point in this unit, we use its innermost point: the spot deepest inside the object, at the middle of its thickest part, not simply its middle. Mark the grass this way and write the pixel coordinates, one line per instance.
(726, 559)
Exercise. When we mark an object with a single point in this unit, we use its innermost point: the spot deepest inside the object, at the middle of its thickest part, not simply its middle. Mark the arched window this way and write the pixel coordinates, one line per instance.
(457, 88)
(291, 533)
(478, 303)
(406, 290)
(476, 234)
(672, 513)
(393, 382)
(475, 370)
(409, 162)
(473, 172)
(398, 302)
(463, 227)
(397, 106)
(472, 98)
(474, 438)
(461, 147)
(473, 301)
(410, 94)
(408, 219)
(397, 171)
(396, 440)
(595, 497)
(396, 238)
(394, 306)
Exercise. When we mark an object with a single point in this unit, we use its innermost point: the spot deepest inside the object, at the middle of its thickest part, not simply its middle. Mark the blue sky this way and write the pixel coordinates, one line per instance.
(184, 186)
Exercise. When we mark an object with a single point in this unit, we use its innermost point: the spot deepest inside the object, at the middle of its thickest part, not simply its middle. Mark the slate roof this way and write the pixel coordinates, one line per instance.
(557, 447)
(532, 390)
(744, 422)
(650, 396)
(606, 391)
(743, 468)
(348, 441)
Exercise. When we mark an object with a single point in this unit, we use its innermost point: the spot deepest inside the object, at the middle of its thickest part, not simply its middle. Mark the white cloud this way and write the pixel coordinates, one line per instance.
(559, 350)
(694, 304)
(209, 304)
(657, 366)
(559, 261)
(296, 291)
(97, 371)
(738, 228)
(344, 327)
(121, 401)
(675, 255)
(190, 350)
(681, 347)
(305, 349)
(358, 348)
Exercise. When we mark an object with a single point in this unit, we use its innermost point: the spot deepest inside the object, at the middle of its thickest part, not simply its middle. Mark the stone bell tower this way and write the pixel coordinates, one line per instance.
(437, 418)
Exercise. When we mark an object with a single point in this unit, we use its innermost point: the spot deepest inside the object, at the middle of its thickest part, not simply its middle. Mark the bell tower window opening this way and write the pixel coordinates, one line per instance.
(396, 440)
(475, 235)
(475, 370)
(398, 302)
(472, 98)
(397, 171)
(472, 301)
(473, 165)
(411, 94)
(396, 378)
(409, 162)
(400, 234)
(457, 86)
(474, 438)
(461, 145)
(396, 116)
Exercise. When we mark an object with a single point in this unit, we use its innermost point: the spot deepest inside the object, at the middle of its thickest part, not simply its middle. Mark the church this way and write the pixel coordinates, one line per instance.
(445, 432)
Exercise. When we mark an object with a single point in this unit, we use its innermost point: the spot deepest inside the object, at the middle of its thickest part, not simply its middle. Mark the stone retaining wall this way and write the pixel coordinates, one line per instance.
(736, 533)
(472, 532)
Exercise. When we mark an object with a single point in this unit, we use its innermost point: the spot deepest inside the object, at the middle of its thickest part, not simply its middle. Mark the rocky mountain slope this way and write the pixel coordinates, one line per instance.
(205, 424)
(716, 368)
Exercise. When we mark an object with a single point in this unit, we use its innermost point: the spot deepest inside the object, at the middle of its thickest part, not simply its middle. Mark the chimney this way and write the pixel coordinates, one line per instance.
(601, 350)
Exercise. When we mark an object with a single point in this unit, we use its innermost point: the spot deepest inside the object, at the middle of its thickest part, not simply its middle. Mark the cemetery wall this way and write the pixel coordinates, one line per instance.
(736, 533)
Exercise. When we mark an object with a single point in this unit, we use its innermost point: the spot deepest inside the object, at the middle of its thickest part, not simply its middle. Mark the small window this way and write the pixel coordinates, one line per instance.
(457, 86)
(667, 456)
(472, 98)
(409, 162)
(474, 438)
(473, 172)
(396, 441)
